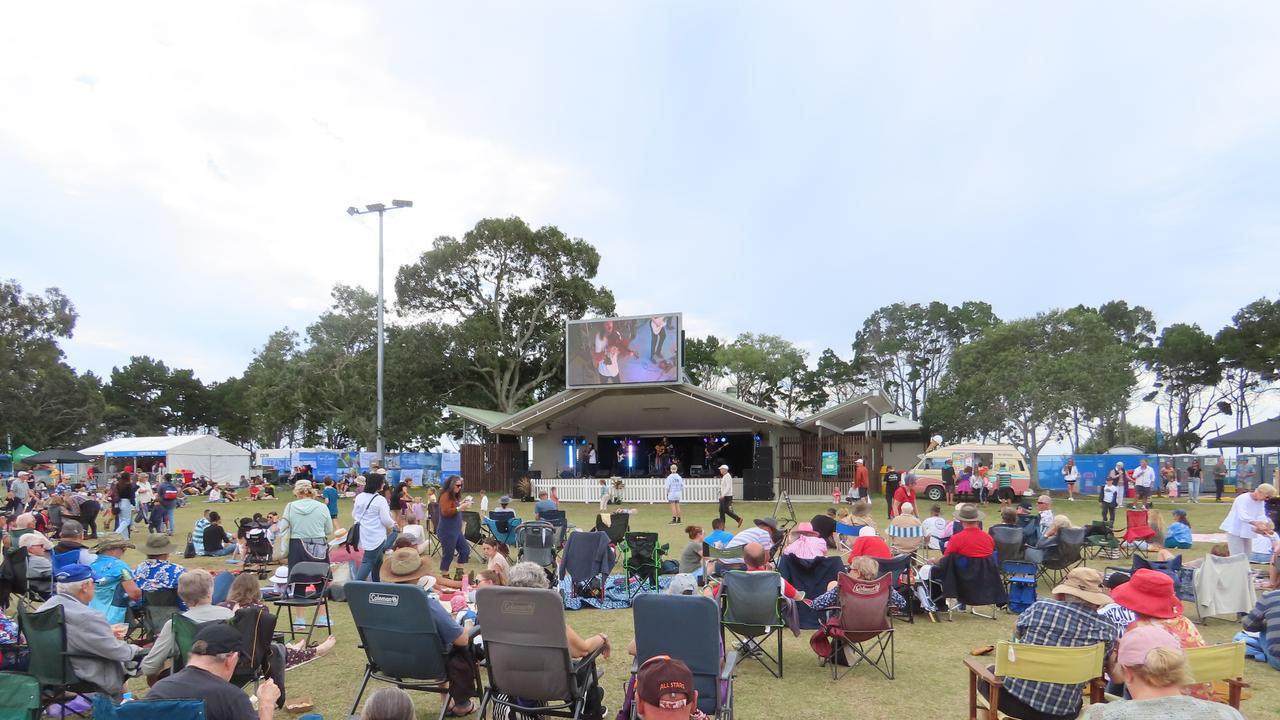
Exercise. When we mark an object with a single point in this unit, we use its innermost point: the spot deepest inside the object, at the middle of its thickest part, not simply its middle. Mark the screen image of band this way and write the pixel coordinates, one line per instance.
(621, 351)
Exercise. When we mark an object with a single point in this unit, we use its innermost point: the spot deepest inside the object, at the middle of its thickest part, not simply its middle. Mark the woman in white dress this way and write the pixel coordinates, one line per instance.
(1247, 518)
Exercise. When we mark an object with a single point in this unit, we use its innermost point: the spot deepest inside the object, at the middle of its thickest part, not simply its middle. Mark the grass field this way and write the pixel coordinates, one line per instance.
(931, 681)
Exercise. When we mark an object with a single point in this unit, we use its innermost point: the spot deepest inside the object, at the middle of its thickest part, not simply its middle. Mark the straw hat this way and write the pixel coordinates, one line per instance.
(158, 544)
(113, 541)
(405, 566)
(968, 512)
(1086, 584)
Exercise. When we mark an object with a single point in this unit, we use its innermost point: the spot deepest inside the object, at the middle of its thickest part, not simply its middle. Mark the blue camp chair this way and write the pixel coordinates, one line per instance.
(685, 628)
(104, 709)
(496, 529)
(400, 643)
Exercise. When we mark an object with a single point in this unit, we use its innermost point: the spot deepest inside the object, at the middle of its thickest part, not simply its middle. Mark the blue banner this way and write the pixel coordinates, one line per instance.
(137, 453)
(1093, 470)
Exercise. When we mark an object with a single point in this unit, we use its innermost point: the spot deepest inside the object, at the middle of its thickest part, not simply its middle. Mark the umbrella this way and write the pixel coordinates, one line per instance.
(1263, 434)
(55, 456)
(21, 453)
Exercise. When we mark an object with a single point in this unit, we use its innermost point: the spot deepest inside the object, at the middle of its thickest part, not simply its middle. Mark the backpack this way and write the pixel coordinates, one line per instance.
(168, 492)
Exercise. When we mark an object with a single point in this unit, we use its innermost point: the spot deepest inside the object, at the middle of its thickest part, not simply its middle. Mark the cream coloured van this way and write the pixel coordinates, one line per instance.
(928, 470)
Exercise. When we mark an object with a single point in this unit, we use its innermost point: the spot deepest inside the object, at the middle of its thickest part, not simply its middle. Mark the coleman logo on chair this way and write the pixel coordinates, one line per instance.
(517, 607)
(384, 599)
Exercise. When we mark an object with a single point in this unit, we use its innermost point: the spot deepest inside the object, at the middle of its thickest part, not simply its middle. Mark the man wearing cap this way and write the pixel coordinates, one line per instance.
(195, 589)
(726, 495)
(1069, 619)
(97, 655)
(156, 572)
(763, 531)
(665, 691)
(208, 674)
(39, 564)
(20, 487)
(70, 548)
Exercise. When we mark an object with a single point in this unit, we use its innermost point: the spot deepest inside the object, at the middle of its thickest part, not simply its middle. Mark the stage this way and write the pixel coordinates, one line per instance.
(634, 490)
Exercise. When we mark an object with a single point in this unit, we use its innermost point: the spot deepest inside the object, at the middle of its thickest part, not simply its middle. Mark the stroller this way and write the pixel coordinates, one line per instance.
(257, 547)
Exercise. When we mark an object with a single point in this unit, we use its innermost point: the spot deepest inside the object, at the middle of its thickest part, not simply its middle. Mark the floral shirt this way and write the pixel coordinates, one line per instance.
(152, 575)
(8, 631)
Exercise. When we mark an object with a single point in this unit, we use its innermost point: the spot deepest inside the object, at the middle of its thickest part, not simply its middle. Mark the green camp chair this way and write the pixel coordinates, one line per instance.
(184, 631)
(715, 554)
(50, 663)
(160, 607)
(751, 607)
(19, 696)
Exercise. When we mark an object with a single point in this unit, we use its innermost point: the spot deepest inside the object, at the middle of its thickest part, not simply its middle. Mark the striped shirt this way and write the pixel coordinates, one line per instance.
(1265, 618)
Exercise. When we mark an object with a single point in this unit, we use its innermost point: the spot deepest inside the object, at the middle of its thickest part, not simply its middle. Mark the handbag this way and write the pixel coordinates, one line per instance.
(280, 546)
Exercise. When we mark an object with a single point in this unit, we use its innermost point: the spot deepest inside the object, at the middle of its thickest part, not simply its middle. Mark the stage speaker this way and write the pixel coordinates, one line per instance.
(763, 457)
(757, 484)
(519, 465)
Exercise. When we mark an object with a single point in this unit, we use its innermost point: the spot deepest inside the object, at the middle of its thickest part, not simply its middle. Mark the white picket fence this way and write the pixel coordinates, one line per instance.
(635, 490)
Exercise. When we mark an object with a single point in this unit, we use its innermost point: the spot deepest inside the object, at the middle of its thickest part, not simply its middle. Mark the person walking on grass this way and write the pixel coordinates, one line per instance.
(726, 496)
(675, 489)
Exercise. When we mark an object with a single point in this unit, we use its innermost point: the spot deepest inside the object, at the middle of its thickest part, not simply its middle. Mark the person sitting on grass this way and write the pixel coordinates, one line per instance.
(531, 575)
(691, 555)
(1265, 544)
(217, 543)
(1264, 619)
(1178, 535)
(210, 667)
(195, 589)
(1153, 668)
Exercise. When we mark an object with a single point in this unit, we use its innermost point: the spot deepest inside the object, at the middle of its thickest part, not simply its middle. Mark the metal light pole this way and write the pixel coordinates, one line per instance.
(381, 210)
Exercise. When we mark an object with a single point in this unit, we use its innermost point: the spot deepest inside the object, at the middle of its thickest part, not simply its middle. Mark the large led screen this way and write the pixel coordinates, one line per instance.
(640, 350)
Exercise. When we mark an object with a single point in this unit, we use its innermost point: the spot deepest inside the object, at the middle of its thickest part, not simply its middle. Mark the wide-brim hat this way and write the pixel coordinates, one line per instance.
(968, 512)
(159, 544)
(113, 541)
(1084, 583)
(280, 576)
(405, 566)
(770, 522)
(1151, 593)
(804, 528)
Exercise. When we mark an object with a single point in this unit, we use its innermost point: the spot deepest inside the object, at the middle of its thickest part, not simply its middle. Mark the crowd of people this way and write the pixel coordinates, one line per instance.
(390, 533)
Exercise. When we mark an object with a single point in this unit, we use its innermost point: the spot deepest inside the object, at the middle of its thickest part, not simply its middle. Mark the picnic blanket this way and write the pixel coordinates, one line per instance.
(615, 593)
(1209, 537)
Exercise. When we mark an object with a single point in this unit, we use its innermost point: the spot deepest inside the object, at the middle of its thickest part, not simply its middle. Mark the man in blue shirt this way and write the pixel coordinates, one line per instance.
(719, 537)
(544, 504)
(167, 495)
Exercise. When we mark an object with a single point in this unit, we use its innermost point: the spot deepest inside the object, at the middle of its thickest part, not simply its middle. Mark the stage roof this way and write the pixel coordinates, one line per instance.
(488, 418)
(889, 423)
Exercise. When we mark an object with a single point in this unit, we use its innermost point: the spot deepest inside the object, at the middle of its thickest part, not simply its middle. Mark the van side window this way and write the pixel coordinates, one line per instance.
(1021, 466)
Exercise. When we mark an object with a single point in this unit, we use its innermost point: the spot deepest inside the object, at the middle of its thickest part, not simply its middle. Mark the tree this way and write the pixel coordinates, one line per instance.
(270, 392)
(840, 379)
(763, 368)
(1250, 347)
(1135, 328)
(509, 288)
(421, 374)
(905, 349)
(1140, 436)
(700, 363)
(339, 371)
(134, 398)
(1187, 364)
(1020, 380)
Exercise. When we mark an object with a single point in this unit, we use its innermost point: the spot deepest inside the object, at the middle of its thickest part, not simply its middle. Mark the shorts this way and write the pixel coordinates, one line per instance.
(949, 486)
(1142, 491)
(1071, 483)
(1005, 493)
(670, 498)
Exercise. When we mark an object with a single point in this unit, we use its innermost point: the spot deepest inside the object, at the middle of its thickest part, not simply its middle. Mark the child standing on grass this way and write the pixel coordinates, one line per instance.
(1109, 498)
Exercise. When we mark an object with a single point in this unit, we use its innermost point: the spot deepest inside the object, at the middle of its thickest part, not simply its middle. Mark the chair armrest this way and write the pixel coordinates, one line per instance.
(589, 658)
(471, 634)
(730, 664)
(978, 667)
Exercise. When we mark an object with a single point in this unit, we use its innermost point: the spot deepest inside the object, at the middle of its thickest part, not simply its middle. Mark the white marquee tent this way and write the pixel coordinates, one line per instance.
(207, 455)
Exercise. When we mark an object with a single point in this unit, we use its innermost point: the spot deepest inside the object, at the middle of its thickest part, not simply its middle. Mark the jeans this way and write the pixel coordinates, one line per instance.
(226, 550)
(1108, 513)
(451, 541)
(124, 518)
(1272, 660)
(168, 518)
(726, 509)
(371, 560)
(1193, 489)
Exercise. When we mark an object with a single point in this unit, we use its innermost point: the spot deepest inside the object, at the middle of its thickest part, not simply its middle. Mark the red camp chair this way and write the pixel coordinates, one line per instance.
(862, 624)
(1138, 528)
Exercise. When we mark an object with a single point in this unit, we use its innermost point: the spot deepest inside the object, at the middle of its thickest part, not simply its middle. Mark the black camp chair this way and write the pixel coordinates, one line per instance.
(308, 587)
(50, 662)
(1010, 547)
(1067, 555)
(530, 669)
(897, 567)
(587, 548)
(159, 608)
(537, 541)
(559, 520)
(751, 606)
(684, 627)
(400, 643)
(472, 529)
(642, 558)
(618, 526)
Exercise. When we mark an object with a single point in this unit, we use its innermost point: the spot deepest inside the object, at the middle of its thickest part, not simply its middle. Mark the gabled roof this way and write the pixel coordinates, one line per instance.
(476, 415)
(568, 400)
(839, 417)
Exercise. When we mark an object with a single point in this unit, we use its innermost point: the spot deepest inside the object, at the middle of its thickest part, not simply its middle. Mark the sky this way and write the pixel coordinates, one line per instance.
(181, 170)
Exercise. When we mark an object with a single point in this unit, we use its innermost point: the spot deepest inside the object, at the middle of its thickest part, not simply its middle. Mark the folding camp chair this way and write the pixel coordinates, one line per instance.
(1100, 541)
(560, 521)
(184, 631)
(528, 662)
(1042, 663)
(104, 709)
(862, 624)
(684, 627)
(587, 549)
(400, 643)
(906, 539)
(1223, 586)
(1138, 530)
(537, 542)
(19, 696)
(898, 567)
(618, 525)
(307, 587)
(1064, 557)
(503, 527)
(50, 662)
(715, 556)
(472, 529)
(843, 531)
(642, 558)
(1220, 663)
(751, 606)
(159, 607)
(1183, 578)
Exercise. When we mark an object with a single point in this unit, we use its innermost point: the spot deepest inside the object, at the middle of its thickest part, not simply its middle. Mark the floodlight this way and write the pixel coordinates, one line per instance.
(352, 211)
(376, 207)
(402, 203)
